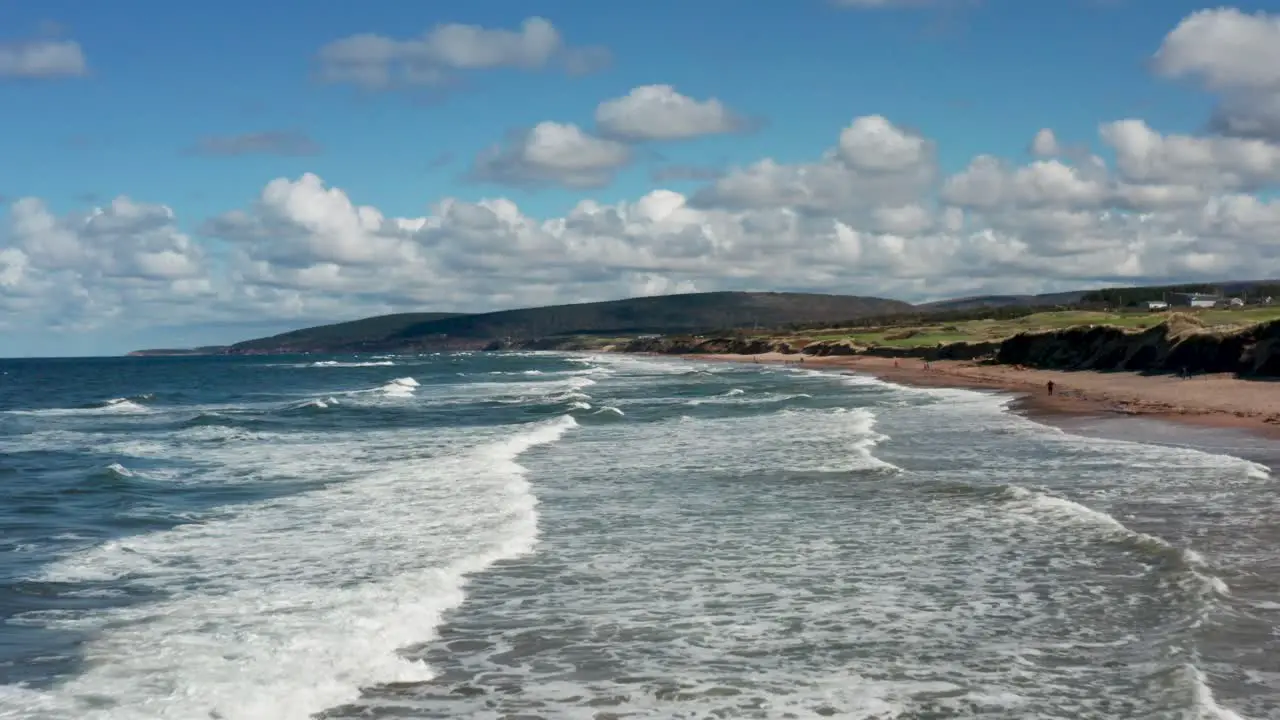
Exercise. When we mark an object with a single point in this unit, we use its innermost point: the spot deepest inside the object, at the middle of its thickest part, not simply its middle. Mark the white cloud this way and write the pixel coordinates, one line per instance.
(1235, 54)
(552, 153)
(1225, 47)
(39, 59)
(873, 163)
(658, 112)
(1045, 144)
(1217, 163)
(873, 144)
(378, 62)
(85, 269)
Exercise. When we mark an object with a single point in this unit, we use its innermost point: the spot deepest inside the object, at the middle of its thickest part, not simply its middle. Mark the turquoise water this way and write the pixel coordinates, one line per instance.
(559, 536)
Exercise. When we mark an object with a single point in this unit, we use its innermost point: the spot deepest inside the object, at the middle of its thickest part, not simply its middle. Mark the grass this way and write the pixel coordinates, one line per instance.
(990, 330)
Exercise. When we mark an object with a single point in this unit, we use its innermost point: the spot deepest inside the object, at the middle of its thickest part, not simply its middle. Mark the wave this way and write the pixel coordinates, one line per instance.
(337, 364)
(118, 471)
(292, 605)
(1154, 549)
(739, 398)
(399, 387)
(133, 405)
(316, 404)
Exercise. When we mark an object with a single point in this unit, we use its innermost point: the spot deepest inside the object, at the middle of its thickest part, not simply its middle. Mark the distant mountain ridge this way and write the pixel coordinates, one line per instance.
(657, 315)
(694, 312)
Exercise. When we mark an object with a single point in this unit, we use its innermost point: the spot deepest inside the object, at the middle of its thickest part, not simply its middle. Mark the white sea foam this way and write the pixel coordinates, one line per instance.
(290, 606)
(120, 470)
(337, 364)
(114, 406)
(399, 387)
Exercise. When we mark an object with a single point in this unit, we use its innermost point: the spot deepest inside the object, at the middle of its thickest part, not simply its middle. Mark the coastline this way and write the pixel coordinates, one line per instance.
(1211, 401)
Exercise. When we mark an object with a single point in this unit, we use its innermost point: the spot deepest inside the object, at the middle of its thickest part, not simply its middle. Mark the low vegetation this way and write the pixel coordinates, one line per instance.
(928, 334)
(1242, 341)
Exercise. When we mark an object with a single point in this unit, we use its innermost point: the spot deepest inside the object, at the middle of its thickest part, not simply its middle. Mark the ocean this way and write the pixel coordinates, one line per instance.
(551, 535)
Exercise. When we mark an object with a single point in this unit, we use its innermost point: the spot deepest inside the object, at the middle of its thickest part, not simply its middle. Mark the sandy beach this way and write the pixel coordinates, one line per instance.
(1212, 400)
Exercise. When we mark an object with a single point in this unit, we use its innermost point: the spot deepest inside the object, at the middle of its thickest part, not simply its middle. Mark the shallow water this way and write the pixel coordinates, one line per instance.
(541, 535)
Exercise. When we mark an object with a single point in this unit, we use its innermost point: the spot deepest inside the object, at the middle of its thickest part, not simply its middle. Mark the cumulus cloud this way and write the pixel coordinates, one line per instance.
(377, 62)
(1045, 144)
(1222, 163)
(267, 142)
(994, 226)
(552, 154)
(84, 269)
(873, 162)
(1235, 54)
(658, 112)
(42, 59)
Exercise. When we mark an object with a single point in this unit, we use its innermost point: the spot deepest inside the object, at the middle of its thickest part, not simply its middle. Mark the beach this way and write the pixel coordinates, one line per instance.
(1223, 400)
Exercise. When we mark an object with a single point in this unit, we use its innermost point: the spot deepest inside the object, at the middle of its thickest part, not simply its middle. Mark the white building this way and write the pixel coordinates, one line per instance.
(1195, 300)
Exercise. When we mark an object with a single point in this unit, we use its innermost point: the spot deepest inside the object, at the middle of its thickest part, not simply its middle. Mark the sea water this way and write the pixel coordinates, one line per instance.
(573, 536)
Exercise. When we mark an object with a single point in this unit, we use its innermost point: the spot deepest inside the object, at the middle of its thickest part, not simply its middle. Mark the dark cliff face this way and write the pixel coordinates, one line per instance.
(1176, 345)
(1169, 347)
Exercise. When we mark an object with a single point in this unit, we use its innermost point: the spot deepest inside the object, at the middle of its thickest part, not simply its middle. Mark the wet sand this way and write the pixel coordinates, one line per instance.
(1222, 401)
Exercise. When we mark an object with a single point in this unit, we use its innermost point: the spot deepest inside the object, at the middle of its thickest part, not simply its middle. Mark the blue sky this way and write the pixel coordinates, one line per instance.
(159, 79)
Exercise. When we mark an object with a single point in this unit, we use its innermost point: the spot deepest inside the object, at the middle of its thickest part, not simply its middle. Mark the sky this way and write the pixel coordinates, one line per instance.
(180, 174)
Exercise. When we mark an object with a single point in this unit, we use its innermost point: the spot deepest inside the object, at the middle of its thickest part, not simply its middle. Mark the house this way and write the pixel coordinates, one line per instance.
(1195, 300)
(1157, 305)
(1236, 302)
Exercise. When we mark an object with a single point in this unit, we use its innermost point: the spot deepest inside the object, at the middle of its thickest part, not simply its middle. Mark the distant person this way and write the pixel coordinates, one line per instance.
(1183, 372)
(1049, 385)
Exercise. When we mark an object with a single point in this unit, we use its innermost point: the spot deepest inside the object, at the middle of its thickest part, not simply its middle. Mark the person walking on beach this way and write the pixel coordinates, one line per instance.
(1049, 385)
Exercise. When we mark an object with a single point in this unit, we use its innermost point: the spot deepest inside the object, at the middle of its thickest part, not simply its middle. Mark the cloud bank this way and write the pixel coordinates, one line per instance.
(870, 214)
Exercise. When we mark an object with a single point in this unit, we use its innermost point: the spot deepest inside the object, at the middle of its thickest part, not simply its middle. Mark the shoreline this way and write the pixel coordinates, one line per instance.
(1213, 401)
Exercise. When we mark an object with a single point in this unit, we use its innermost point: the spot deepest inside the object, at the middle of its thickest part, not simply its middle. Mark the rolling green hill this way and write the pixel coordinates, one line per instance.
(662, 314)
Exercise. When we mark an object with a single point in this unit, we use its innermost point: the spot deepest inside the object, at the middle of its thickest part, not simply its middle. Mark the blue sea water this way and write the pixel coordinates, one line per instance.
(604, 536)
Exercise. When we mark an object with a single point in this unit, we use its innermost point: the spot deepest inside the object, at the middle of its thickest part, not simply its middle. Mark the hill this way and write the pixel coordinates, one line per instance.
(695, 312)
(353, 333)
(659, 314)
(1001, 301)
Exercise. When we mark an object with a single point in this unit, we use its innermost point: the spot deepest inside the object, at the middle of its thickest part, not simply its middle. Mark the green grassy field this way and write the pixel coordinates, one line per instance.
(986, 330)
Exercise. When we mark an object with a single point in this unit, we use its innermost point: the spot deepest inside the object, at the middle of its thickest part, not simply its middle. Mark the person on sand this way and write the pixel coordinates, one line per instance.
(1049, 385)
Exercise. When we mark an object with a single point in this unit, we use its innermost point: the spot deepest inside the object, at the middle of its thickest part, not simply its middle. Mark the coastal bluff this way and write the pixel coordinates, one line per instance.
(1179, 343)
